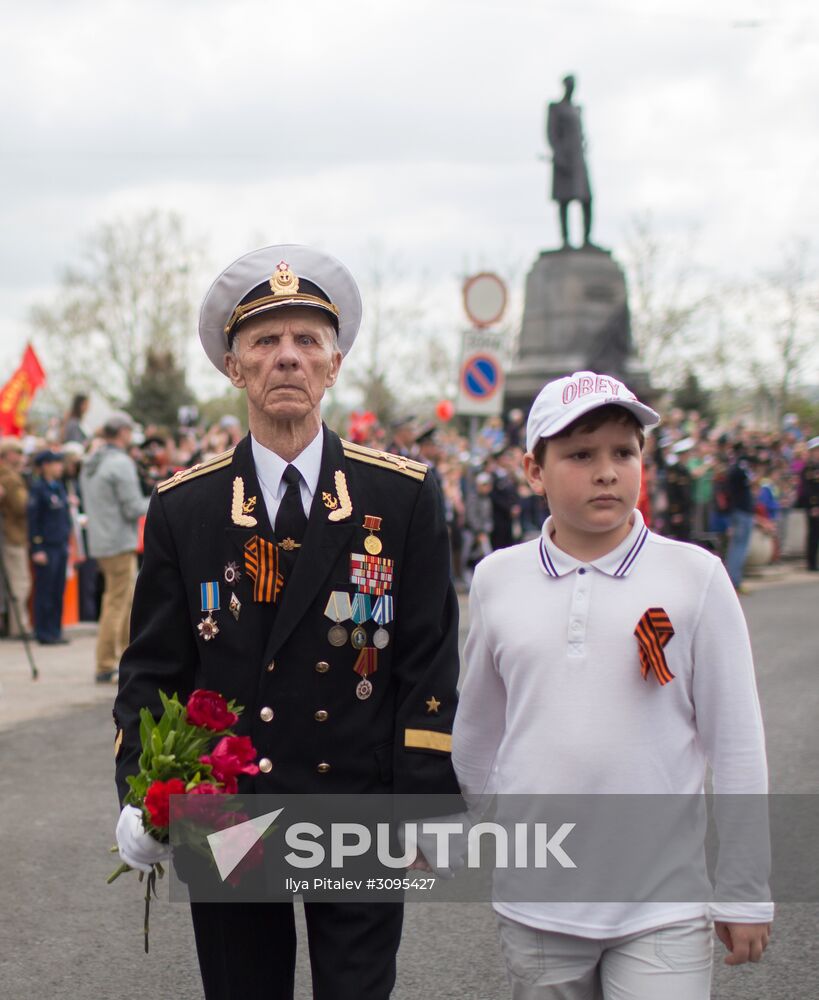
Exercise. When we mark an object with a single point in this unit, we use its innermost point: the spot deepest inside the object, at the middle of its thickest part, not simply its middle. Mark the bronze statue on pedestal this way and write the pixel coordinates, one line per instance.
(570, 179)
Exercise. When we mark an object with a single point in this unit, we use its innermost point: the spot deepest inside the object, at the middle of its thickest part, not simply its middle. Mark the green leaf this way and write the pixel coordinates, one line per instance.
(146, 727)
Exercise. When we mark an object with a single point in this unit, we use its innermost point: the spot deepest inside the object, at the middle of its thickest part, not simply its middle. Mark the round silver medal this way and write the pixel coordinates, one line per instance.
(381, 638)
(337, 635)
(359, 637)
(363, 690)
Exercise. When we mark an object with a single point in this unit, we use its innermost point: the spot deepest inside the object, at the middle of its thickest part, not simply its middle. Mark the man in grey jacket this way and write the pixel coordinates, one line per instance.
(114, 504)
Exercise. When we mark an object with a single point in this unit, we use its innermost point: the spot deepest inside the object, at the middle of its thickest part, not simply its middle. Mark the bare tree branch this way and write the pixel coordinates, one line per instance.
(128, 294)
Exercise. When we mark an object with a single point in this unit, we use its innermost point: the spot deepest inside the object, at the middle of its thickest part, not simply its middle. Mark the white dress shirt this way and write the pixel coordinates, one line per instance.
(270, 470)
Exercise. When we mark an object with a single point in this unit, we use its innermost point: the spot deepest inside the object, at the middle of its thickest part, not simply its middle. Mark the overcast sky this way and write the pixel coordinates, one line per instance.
(408, 129)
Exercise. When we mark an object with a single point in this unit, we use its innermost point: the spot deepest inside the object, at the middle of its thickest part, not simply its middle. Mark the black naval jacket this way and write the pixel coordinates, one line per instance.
(322, 737)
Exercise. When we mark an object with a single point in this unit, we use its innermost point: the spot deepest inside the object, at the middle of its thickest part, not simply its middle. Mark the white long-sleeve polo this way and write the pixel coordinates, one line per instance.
(554, 701)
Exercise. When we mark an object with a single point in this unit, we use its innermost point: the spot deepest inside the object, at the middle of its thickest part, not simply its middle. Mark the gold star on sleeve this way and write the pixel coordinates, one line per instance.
(433, 705)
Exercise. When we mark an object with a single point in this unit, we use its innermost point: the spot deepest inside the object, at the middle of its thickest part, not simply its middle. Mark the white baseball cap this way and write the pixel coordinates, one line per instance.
(272, 278)
(561, 402)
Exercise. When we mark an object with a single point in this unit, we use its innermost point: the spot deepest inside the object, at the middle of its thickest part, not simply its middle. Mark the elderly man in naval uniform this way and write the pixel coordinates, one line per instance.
(308, 579)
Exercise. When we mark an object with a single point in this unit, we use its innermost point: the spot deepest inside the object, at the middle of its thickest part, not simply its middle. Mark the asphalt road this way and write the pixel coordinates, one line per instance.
(65, 934)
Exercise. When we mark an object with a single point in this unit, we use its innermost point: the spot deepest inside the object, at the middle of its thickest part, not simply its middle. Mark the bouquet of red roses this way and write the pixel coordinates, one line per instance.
(181, 755)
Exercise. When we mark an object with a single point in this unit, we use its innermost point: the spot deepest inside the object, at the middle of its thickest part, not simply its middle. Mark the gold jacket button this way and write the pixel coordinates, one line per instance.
(266, 714)
(271, 666)
(323, 768)
(265, 765)
(321, 715)
(322, 667)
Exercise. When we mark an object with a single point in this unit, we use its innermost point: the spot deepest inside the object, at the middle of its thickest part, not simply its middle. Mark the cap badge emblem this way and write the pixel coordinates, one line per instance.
(283, 281)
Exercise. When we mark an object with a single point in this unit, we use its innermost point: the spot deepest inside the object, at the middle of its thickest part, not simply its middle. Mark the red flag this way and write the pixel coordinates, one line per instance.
(17, 394)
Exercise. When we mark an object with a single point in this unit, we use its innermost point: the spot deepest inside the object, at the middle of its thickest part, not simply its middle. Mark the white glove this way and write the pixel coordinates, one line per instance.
(138, 848)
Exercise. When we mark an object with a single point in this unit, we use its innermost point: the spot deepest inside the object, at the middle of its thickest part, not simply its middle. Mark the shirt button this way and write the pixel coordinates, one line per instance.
(321, 715)
(322, 667)
(271, 666)
(266, 714)
(582, 570)
(265, 765)
(323, 768)
(575, 626)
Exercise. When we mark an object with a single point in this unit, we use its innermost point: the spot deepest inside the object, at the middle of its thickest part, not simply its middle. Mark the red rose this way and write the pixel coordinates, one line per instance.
(232, 756)
(209, 710)
(205, 788)
(156, 799)
(201, 808)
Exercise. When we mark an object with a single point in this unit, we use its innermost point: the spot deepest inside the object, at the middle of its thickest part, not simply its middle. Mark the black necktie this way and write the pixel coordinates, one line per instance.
(290, 519)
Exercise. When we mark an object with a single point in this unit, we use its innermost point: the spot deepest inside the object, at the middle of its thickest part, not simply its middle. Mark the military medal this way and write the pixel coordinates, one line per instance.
(337, 635)
(209, 594)
(382, 613)
(360, 612)
(232, 573)
(235, 606)
(208, 628)
(372, 543)
(339, 610)
(366, 664)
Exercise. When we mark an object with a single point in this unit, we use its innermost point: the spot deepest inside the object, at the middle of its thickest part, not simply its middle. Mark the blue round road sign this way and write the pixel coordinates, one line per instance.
(480, 376)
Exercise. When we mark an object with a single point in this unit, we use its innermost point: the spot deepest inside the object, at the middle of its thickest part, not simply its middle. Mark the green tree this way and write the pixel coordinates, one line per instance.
(160, 390)
(130, 293)
(691, 396)
(232, 403)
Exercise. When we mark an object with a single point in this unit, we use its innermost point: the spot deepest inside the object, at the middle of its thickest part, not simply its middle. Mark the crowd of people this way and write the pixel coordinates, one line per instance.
(307, 575)
(706, 483)
(702, 483)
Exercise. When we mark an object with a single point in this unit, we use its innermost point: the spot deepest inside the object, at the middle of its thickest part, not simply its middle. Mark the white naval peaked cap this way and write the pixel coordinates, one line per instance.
(561, 402)
(272, 278)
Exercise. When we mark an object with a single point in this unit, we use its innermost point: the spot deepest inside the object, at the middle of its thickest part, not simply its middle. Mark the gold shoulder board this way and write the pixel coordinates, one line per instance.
(201, 469)
(385, 460)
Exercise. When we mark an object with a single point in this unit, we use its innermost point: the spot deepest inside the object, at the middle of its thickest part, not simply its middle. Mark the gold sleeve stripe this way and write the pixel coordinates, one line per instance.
(427, 739)
(212, 464)
(118, 743)
(384, 460)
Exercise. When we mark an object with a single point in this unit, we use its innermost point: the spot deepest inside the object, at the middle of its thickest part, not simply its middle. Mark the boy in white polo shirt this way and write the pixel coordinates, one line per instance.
(603, 659)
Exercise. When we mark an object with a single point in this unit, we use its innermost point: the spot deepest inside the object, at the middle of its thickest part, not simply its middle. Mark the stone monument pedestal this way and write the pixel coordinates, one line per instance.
(575, 318)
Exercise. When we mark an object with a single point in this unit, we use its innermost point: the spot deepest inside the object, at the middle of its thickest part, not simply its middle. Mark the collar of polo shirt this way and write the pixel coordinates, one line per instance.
(619, 562)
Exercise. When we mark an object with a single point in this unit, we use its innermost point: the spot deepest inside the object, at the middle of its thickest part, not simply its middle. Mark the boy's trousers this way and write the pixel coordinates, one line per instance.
(673, 962)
